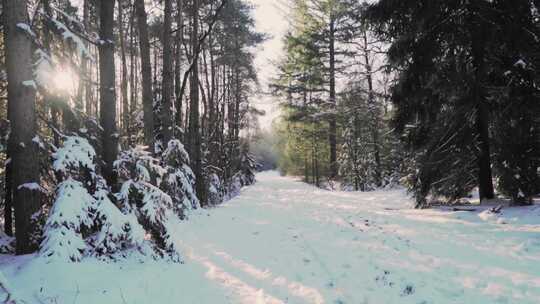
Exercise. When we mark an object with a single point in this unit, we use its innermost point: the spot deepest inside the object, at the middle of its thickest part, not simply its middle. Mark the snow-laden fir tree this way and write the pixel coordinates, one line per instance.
(157, 192)
(216, 191)
(83, 220)
(516, 127)
(466, 97)
(179, 180)
(245, 176)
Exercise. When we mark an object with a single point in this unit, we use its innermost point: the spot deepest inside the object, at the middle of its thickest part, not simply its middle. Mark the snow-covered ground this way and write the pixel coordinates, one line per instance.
(282, 241)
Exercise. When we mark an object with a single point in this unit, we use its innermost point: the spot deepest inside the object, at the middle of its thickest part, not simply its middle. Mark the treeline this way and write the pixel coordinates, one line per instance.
(441, 96)
(336, 108)
(118, 117)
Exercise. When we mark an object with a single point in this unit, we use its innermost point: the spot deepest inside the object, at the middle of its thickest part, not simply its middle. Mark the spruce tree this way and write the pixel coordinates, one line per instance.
(465, 95)
(514, 75)
(440, 101)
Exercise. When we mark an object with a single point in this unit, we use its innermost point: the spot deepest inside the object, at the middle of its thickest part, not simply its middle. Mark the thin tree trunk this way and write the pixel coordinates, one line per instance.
(306, 166)
(194, 128)
(86, 77)
(47, 98)
(167, 77)
(236, 155)
(21, 111)
(146, 68)
(177, 63)
(95, 68)
(132, 75)
(123, 80)
(206, 95)
(332, 136)
(212, 114)
(373, 111)
(107, 91)
(8, 199)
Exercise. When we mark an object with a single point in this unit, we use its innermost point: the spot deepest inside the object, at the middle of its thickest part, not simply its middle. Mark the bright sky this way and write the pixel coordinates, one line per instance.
(270, 19)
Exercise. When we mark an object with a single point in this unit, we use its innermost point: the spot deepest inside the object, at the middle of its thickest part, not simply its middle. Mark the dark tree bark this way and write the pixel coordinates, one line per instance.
(21, 98)
(236, 131)
(167, 77)
(478, 35)
(86, 78)
(178, 62)
(133, 77)
(485, 182)
(8, 199)
(146, 68)
(124, 80)
(332, 135)
(213, 130)
(47, 98)
(107, 91)
(194, 135)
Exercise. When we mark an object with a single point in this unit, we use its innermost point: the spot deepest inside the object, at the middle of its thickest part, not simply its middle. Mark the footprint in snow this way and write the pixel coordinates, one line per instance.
(408, 290)
(384, 280)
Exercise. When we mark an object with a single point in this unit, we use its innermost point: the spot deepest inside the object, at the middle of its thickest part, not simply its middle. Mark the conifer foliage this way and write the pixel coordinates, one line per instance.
(83, 220)
(464, 94)
(116, 122)
(441, 96)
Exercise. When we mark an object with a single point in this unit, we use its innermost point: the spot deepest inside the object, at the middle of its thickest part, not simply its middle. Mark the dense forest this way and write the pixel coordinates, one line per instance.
(139, 162)
(143, 109)
(133, 109)
(439, 96)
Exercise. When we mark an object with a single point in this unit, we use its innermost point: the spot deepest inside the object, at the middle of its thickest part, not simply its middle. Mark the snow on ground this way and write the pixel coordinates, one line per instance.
(282, 241)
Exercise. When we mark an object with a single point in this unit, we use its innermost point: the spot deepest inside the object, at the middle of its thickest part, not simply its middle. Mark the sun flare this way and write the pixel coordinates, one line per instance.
(65, 81)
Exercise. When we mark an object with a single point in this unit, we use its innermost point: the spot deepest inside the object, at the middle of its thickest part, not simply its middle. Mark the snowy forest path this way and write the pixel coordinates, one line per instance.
(283, 241)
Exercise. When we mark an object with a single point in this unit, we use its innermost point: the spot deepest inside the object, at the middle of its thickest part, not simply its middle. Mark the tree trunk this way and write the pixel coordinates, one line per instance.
(47, 98)
(374, 125)
(123, 80)
(133, 79)
(485, 183)
(21, 99)
(213, 120)
(194, 137)
(478, 36)
(107, 91)
(86, 77)
(177, 63)
(167, 77)
(332, 135)
(235, 144)
(146, 68)
(8, 199)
